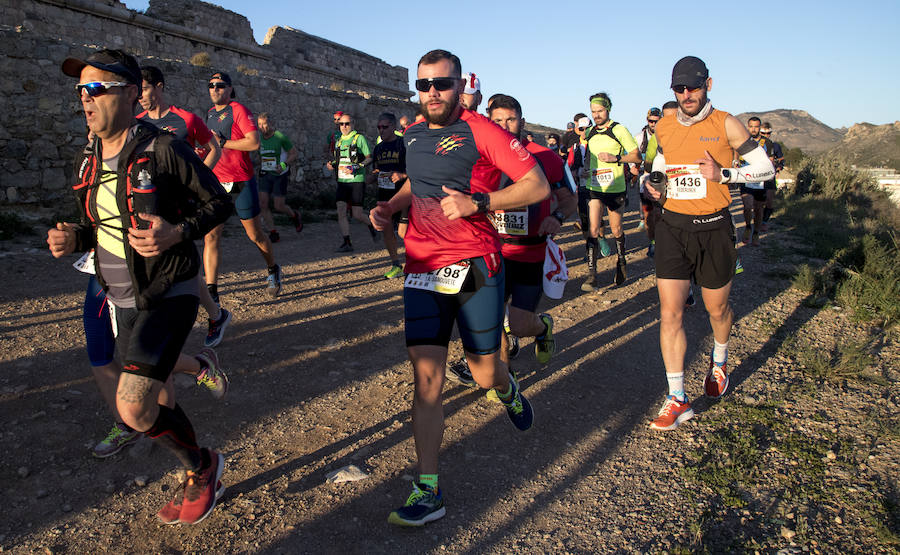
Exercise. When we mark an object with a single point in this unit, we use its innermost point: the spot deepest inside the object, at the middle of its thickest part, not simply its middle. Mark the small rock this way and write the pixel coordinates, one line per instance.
(830, 455)
(140, 481)
(41, 493)
(349, 473)
(23, 472)
(787, 533)
(838, 520)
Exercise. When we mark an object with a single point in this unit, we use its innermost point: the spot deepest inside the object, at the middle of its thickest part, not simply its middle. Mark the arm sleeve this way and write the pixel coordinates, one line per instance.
(214, 205)
(758, 168)
(659, 163)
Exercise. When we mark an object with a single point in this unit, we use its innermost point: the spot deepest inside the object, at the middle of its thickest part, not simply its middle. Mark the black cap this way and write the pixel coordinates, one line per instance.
(221, 75)
(690, 71)
(114, 61)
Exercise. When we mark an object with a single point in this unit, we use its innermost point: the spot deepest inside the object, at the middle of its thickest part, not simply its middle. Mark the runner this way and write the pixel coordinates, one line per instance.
(524, 232)
(276, 153)
(776, 155)
(190, 128)
(350, 157)
(390, 174)
(235, 128)
(334, 136)
(637, 171)
(146, 263)
(753, 195)
(404, 122)
(471, 95)
(694, 236)
(453, 259)
(576, 161)
(609, 145)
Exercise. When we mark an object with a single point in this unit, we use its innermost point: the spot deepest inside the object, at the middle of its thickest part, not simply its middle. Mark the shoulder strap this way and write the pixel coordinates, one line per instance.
(608, 132)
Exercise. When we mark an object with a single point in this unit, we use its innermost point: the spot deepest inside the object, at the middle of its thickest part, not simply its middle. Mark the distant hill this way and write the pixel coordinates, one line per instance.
(871, 146)
(796, 128)
(541, 131)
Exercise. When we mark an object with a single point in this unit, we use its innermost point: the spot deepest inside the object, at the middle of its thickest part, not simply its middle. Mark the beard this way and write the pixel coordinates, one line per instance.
(696, 110)
(442, 116)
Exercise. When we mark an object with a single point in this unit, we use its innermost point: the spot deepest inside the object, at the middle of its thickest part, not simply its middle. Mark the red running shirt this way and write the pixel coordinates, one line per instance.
(183, 124)
(468, 155)
(234, 122)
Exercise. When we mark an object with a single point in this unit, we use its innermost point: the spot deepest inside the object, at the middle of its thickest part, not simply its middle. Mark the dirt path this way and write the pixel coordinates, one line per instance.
(320, 379)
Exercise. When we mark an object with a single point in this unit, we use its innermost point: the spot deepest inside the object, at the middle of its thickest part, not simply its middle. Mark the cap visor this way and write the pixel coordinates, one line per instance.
(72, 67)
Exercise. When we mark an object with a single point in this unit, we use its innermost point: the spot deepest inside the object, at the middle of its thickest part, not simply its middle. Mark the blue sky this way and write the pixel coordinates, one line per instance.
(837, 61)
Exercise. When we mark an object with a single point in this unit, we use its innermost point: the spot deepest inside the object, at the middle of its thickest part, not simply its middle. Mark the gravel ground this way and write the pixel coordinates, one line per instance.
(320, 380)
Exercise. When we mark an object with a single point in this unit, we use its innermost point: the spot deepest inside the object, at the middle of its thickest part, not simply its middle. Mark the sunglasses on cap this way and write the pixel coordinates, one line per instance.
(439, 83)
(681, 88)
(98, 88)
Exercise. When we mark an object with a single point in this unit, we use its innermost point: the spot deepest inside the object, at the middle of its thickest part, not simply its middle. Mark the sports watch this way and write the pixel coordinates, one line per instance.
(482, 202)
(726, 175)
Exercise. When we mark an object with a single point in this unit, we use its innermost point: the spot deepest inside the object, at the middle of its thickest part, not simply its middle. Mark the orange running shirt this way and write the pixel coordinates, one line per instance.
(687, 192)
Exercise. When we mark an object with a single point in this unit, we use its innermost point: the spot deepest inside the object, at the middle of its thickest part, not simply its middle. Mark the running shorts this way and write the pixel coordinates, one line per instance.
(246, 199)
(759, 195)
(351, 193)
(770, 185)
(150, 341)
(477, 310)
(98, 333)
(698, 247)
(274, 185)
(524, 283)
(613, 201)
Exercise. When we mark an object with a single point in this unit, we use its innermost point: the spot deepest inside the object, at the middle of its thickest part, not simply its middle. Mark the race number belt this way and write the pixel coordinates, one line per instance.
(447, 280)
(85, 263)
(510, 222)
(384, 181)
(685, 182)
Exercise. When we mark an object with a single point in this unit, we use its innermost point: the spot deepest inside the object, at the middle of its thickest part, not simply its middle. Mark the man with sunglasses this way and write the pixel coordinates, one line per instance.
(390, 174)
(145, 258)
(234, 126)
(694, 238)
(454, 269)
(350, 157)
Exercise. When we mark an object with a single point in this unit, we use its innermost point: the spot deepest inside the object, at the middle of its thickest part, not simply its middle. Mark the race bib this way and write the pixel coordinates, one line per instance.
(344, 172)
(510, 222)
(685, 182)
(384, 181)
(85, 263)
(447, 280)
(603, 177)
(112, 318)
(268, 164)
(228, 186)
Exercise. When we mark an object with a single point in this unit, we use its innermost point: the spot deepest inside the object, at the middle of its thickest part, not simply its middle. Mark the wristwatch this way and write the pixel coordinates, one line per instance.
(482, 202)
(726, 175)
(559, 216)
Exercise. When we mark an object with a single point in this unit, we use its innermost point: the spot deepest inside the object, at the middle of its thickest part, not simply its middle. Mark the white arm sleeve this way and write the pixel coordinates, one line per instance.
(758, 168)
(659, 163)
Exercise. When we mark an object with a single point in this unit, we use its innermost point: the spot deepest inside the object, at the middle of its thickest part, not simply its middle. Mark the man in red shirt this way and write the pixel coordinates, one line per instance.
(235, 128)
(454, 159)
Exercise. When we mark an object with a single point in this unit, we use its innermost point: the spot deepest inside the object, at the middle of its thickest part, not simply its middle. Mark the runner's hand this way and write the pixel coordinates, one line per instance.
(709, 168)
(153, 241)
(549, 226)
(456, 205)
(606, 157)
(396, 177)
(651, 192)
(61, 239)
(380, 216)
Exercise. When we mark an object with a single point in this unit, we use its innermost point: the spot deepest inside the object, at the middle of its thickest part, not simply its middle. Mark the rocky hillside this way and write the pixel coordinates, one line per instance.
(796, 128)
(870, 145)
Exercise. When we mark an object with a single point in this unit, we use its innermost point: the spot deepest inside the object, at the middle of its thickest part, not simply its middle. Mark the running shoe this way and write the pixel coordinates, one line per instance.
(297, 221)
(621, 273)
(423, 505)
(672, 413)
(545, 346)
(459, 372)
(200, 490)
(171, 513)
(118, 437)
(274, 237)
(748, 231)
(345, 247)
(651, 249)
(590, 284)
(212, 377)
(690, 299)
(518, 408)
(217, 328)
(395, 271)
(755, 241)
(716, 381)
(604, 247)
(738, 267)
(513, 350)
(273, 282)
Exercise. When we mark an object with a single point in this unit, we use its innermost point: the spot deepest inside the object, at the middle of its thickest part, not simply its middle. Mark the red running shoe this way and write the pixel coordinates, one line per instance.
(672, 413)
(171, 513)
(199, 490)
(716, 381)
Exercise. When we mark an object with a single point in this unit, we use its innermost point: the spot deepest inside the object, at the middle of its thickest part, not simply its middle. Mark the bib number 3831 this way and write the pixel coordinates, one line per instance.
(685, 182)
(447, 280)
(510, 222)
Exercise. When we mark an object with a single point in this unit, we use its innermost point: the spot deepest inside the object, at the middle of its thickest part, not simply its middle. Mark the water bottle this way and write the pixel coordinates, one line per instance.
(144, 199)
(658, 182)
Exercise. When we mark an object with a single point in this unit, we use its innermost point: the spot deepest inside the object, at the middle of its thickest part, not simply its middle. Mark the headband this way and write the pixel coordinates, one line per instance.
(602, 101)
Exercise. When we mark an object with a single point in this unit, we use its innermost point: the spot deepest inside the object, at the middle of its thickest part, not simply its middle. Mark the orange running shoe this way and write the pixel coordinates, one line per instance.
(716, 381)
(672, 413)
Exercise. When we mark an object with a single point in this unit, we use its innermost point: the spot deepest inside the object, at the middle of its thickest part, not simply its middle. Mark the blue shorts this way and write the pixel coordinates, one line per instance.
(246, 199)
(101, 345)
(477, 311)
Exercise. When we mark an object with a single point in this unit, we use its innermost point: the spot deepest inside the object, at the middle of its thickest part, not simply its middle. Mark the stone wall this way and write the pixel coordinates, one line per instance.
(298, 78)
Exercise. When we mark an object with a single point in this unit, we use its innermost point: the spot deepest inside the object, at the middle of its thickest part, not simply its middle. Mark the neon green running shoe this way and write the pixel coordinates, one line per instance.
(422, 506)
(545, 345)
(117, 438)
(395, 271)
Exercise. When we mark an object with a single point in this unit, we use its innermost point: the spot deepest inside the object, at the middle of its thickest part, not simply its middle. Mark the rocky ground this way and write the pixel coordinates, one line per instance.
(801, 455)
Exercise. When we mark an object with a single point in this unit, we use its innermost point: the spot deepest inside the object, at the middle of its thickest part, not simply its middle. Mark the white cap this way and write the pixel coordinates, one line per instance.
(473, 84)
(556, 274)
(584, 122)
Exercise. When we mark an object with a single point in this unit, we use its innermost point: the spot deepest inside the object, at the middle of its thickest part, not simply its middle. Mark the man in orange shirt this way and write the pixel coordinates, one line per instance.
(694, 237)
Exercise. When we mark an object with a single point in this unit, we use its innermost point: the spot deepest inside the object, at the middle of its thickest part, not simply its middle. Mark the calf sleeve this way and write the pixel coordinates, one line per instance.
(173, 431)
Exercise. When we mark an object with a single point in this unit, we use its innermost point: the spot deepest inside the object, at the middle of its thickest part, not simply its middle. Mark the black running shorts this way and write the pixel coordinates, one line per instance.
(524, 283)
(613, 201)
(759, 195)
(698, 247)
(149, 341)
(351, 193)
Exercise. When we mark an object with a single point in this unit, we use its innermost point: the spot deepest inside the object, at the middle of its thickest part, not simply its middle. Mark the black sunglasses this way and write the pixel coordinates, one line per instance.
(217, 86)
(681, 88)
(439, 83)
(344, 123)
(380, 127)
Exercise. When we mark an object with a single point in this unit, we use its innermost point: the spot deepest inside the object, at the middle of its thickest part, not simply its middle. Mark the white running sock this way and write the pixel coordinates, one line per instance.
(676, 385)
(720, 352)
